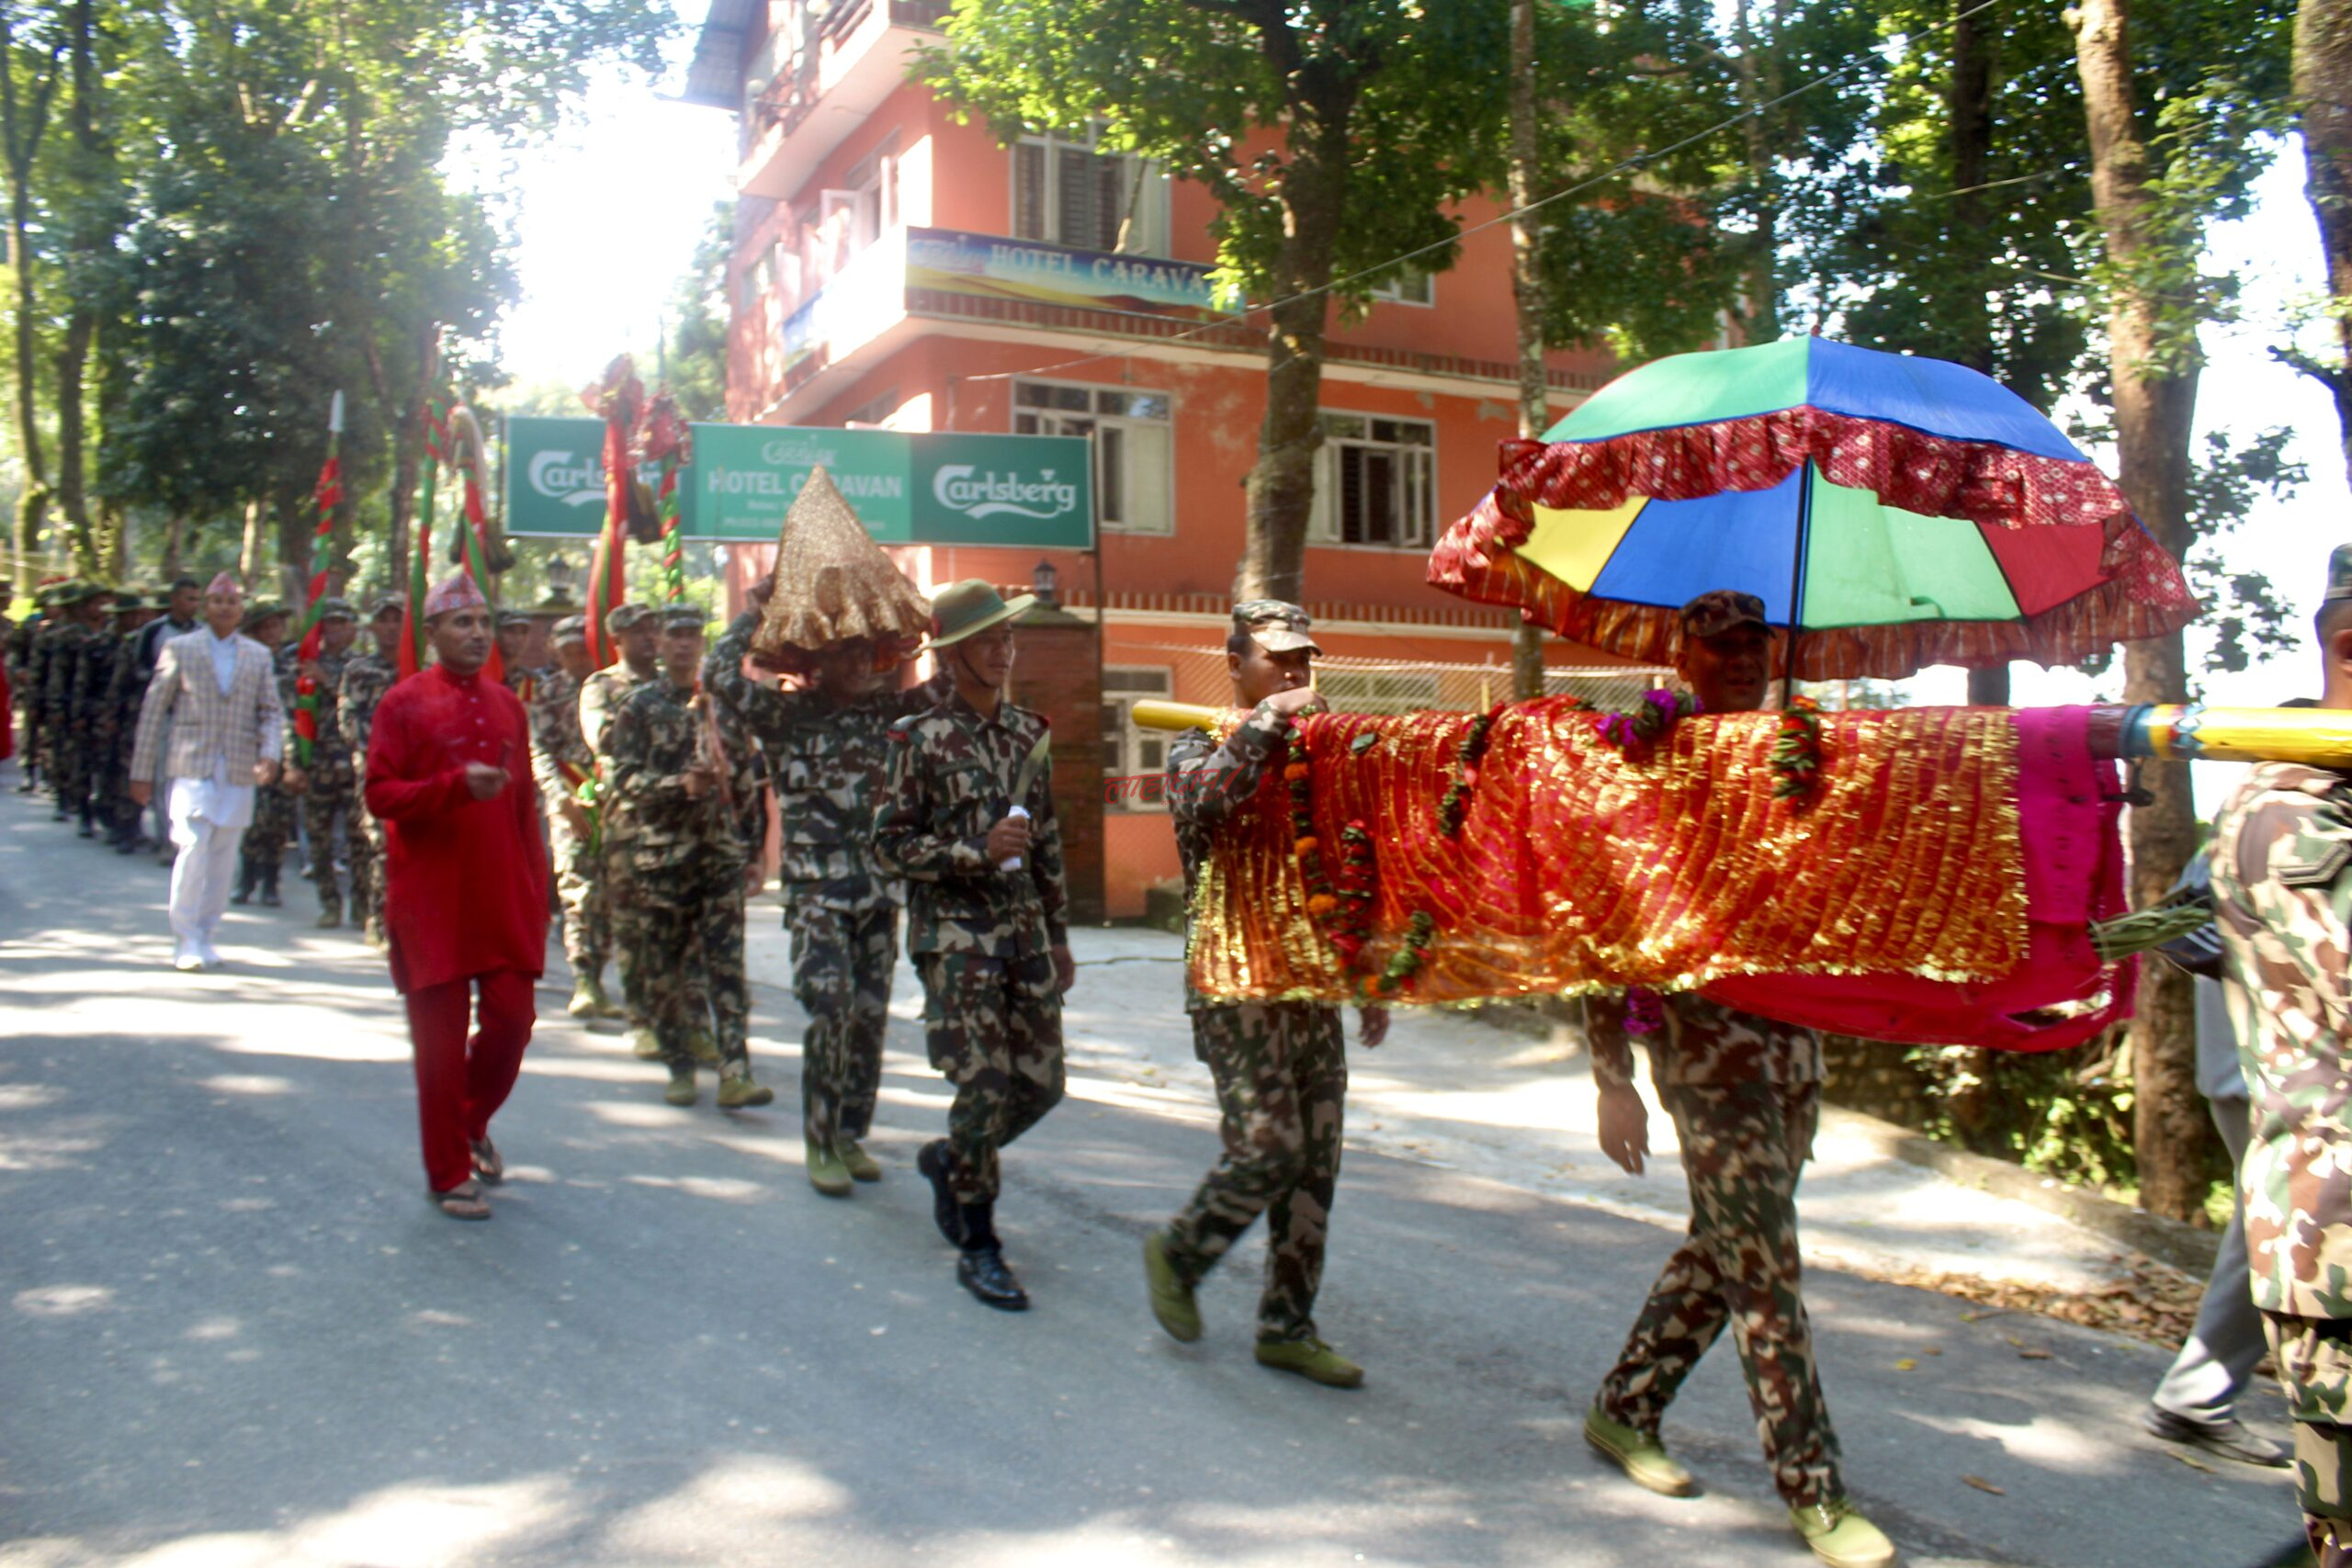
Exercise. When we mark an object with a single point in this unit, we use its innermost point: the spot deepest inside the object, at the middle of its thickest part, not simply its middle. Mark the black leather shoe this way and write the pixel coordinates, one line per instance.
(945, 1212)
(981, 1270)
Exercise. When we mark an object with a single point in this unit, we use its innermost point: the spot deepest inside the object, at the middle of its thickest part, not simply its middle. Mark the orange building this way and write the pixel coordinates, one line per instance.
(895, 268)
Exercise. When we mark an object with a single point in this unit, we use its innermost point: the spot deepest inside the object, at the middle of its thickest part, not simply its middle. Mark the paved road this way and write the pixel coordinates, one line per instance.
(235, 1333)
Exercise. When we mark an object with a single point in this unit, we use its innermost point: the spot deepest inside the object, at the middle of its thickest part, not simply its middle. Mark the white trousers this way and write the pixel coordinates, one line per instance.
(201, 875)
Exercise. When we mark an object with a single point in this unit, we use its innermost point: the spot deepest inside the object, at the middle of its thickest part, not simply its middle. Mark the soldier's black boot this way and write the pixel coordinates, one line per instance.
(269, 888)
(244, 893)
(935, 1162)
(88, 829)
(980, 1267)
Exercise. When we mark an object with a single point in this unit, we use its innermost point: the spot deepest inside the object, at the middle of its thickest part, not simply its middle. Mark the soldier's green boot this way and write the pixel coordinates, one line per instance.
(861, 1166)
(738, 1092)
(1312, 1359)
(1840, 1537)
(826, 1174)
(270, 897)
(1171, 1299)
(587, 998)
(1642, 1458)
(645, 1042)
(682, 1090)
(330, 914)
(703, 1048)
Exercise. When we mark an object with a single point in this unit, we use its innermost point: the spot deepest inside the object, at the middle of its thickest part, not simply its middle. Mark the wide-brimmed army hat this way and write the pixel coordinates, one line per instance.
(128, 599)
(1275, 625)
(1720, 610)
(971, 606)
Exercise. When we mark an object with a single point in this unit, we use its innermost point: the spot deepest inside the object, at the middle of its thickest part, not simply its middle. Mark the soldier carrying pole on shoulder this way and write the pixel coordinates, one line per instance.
(2282, 898)
(1745, 1093)
(1281, 1067)
(967, 819)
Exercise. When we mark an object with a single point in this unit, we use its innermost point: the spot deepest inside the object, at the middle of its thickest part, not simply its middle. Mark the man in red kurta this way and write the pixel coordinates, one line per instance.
(465, 889)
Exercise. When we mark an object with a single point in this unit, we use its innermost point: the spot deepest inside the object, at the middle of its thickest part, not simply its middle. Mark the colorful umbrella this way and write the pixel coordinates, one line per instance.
(1898, 511)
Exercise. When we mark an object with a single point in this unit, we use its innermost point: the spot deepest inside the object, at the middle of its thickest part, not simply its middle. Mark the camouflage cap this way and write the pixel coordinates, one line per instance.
(512, 618)
(682, 617)
(128, 599)
(394, 603)
(2339, 574)
(1273, 624)
(572, 628)
(626, 615)
(267, 609)
(1721, 609)
(331, 608)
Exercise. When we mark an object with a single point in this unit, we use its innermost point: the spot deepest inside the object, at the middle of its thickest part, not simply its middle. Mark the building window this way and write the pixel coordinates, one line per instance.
(1066, 193)
(1134, 439)
(1129, 752)
(1408, 285)
(1378, 691)
(1375, 481)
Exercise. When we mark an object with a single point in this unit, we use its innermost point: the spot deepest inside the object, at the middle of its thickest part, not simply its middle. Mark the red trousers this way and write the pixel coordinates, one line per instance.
(460, 1083)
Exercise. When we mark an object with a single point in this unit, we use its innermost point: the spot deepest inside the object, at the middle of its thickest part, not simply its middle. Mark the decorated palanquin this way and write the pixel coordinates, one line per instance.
(1930, 875)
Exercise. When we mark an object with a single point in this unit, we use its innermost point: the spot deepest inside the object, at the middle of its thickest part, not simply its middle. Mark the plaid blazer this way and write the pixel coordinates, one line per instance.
(206, 727)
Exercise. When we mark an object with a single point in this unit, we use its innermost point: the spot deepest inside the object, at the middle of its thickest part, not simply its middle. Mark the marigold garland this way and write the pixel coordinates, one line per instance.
(1796, 752)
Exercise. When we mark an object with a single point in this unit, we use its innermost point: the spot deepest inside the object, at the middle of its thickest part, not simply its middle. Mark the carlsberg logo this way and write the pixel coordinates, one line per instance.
(560, 476)
(961, 487)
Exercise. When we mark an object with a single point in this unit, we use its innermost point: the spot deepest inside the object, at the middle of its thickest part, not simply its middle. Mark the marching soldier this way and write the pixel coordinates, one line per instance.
(109, 743)
(561, 763)
(2282, 897)
(328, 786)
(827, 749)
(366, 678)
(967, 821)
(63, 715)
(1745, 1093)
(601, 696)
(513, 637)
(1281, 1067)
(263, 854)
(29, 680)
(688, 794)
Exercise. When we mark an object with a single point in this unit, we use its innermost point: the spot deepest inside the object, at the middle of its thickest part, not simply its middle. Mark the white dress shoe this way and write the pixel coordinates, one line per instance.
(186, 963)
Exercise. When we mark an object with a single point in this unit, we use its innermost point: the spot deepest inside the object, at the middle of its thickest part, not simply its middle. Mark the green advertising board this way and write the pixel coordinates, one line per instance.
(949, 488)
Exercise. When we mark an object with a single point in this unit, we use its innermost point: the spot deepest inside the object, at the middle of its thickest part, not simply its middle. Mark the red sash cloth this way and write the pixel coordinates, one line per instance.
(465, 880)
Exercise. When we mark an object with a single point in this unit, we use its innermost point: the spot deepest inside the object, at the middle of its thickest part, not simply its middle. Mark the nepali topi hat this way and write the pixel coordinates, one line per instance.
(455, 592)
(833, 583)
(970, 608)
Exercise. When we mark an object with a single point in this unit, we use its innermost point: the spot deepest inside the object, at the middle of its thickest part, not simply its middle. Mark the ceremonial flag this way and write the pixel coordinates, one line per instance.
(465, 451)
(326, 497)
(419, 575)
(616, 399)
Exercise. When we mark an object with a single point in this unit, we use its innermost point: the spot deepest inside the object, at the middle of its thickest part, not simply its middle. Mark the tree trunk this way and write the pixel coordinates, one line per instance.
(1969, 118)
(1758, 82)
(2155, 402)
(297, 534)
(21, 125)
(72, 356)
(84, 238)
(1527, 292)
(1282, 484)
(2323, 87)
(175, 532)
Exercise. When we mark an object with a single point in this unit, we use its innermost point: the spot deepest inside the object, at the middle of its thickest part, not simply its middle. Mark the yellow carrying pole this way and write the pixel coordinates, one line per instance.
(2319, 736)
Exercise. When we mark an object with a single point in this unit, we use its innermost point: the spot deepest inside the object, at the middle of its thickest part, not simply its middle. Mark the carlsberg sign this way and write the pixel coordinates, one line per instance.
(1032, 491)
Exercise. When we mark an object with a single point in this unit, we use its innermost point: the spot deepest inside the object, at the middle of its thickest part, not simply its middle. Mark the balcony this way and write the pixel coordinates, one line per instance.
(853, 56)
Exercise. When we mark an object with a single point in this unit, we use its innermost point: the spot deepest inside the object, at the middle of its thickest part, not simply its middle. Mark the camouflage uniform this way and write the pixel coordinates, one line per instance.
(330, 800)
(829, 766)
(366, 678)
(982, 939)
(600, 696)
(561, 761)
(1745, 1093)
(686, 858)
(117, 703)
(95, 719)
(1281, 1070)
(29, 683)
(2282, 896)
(62, 717)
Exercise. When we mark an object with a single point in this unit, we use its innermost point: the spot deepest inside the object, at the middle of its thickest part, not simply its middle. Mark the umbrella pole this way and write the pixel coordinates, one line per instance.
(1796, 584)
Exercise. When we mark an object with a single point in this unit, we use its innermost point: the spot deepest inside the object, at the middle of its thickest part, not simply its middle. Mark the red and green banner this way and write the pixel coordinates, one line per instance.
(419, 575)
(326, 497)
(668, 443)
(618, 399)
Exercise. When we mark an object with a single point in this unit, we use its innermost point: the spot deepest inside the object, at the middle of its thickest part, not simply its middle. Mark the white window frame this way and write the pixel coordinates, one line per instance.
(1132, 741)
(1062, 421)
(1393, 292)
(1378, 691)
(1323, 520)
(1149, 231)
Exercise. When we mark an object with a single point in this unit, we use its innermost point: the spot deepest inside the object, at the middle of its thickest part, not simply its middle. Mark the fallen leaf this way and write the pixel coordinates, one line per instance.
(1933, 1350)
(2033, 1355)
(1984, 1486)
(1905, 1365)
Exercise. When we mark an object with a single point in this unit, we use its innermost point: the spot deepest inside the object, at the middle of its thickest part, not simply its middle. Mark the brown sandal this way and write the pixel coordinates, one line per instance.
(487, 1164)
(462, 1201)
